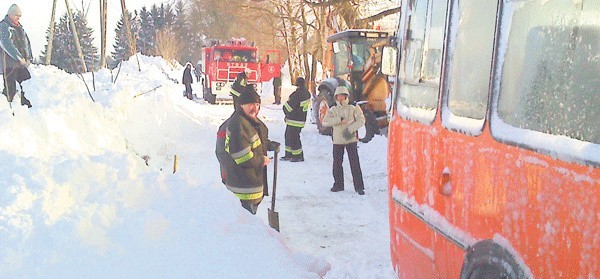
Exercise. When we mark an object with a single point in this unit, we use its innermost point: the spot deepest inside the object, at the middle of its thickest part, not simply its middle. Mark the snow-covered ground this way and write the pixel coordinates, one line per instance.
(87, 189)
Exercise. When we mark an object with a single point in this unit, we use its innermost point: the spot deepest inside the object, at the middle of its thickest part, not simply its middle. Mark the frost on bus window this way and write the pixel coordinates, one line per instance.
(551, 75)
(471, 57)
(418, 91)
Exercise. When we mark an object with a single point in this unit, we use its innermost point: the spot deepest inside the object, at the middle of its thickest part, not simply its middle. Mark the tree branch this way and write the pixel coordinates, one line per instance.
(378, 16)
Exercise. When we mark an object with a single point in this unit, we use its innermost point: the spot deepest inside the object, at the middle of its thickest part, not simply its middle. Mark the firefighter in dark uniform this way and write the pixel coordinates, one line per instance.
(295, 110)
(247, 143)
(237, 89)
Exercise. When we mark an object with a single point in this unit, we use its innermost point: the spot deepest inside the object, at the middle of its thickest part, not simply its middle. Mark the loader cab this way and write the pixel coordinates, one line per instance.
(352, 49)
(352, 53)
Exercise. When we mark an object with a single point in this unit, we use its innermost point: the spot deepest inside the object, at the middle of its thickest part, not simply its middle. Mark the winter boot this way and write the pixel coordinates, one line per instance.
(25, 101)
(336, 189)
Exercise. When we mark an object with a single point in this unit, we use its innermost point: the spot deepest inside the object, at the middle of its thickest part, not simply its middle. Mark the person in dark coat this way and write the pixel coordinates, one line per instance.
(187, 80)
(247, 143)
(16, 54)
(238, 87)
(295, 110)
(277, 90)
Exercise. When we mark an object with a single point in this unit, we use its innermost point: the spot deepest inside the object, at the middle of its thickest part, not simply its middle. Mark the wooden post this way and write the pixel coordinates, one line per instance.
(175, 160)
(51, 36)
(75, 36)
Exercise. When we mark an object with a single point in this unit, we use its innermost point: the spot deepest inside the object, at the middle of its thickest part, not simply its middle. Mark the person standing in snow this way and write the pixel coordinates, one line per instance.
(198, 71)
(277, 90)
(345, 119)
(238, 87)
(295, 110)
(16, 54)
(247, 143)
(187, 80)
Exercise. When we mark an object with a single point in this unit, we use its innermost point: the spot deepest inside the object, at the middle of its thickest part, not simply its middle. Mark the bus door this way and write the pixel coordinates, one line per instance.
(415, 141)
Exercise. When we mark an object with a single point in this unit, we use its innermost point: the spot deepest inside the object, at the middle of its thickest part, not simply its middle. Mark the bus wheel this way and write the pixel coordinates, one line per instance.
(487, 259)
(320, 108)
(371, 127)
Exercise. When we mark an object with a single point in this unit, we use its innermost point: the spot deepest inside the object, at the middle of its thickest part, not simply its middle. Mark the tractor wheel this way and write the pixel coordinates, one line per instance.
(371, 127)
(320, 108)
(487, 259)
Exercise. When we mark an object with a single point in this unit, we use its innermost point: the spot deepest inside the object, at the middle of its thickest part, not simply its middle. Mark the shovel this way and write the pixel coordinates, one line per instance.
(274, 215)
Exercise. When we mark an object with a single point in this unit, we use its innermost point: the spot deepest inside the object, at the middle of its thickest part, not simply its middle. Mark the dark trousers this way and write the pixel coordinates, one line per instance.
(10, 85)
(293, 145)
(188, 90)
(338, 169)
(277, 93)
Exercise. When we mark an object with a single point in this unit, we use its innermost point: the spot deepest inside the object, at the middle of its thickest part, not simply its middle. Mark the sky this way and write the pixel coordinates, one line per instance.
(37, 13)
(89, 188)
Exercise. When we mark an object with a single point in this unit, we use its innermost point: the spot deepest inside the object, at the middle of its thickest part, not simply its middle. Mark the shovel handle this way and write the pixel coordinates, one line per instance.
(274, 182)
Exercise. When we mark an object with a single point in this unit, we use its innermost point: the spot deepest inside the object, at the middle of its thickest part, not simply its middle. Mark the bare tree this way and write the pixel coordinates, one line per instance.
(76, 37)
(51, 36)
(167, 45)
(130, 39)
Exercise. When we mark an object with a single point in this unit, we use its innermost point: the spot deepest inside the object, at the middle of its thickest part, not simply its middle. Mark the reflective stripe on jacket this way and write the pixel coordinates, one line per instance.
(296, 108)
(246, 141)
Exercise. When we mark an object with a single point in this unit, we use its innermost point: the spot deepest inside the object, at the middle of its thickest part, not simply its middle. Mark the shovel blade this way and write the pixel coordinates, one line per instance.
(273, 219)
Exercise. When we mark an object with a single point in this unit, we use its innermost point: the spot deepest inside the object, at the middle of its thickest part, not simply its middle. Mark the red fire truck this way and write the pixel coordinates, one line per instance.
(222, 62)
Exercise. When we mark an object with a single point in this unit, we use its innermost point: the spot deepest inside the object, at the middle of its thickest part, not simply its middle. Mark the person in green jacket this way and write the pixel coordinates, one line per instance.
(16, 53)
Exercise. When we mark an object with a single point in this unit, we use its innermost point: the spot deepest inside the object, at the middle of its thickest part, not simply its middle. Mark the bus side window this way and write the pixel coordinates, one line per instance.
(422, 59)
(558, 86)
(469, 63)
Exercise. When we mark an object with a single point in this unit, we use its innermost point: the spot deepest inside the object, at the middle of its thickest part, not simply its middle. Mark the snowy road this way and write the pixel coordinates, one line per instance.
(350, 231)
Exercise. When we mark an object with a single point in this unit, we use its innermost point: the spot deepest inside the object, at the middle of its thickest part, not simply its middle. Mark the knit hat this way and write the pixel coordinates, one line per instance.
(341, 90)
(249, 96)
(300, 82)
(14, 10)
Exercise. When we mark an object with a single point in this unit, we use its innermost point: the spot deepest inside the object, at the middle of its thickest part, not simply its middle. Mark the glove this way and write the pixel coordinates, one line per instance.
(274, 146)
(348, 135)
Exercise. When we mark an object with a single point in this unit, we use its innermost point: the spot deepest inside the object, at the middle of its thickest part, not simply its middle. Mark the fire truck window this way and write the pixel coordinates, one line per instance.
(227, 56)
(550, 75)
(244, 56)
(217, 55)
(470, 64)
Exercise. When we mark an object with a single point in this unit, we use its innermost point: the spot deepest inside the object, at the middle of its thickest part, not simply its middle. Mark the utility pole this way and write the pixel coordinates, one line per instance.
(75, 36)
(51, 36)
(103, 16)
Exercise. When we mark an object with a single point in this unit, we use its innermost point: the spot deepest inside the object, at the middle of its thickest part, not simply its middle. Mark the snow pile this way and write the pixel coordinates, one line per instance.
(87, 187)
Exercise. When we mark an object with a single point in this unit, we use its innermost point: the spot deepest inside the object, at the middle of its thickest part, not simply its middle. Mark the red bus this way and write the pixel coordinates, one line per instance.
(494, 139)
